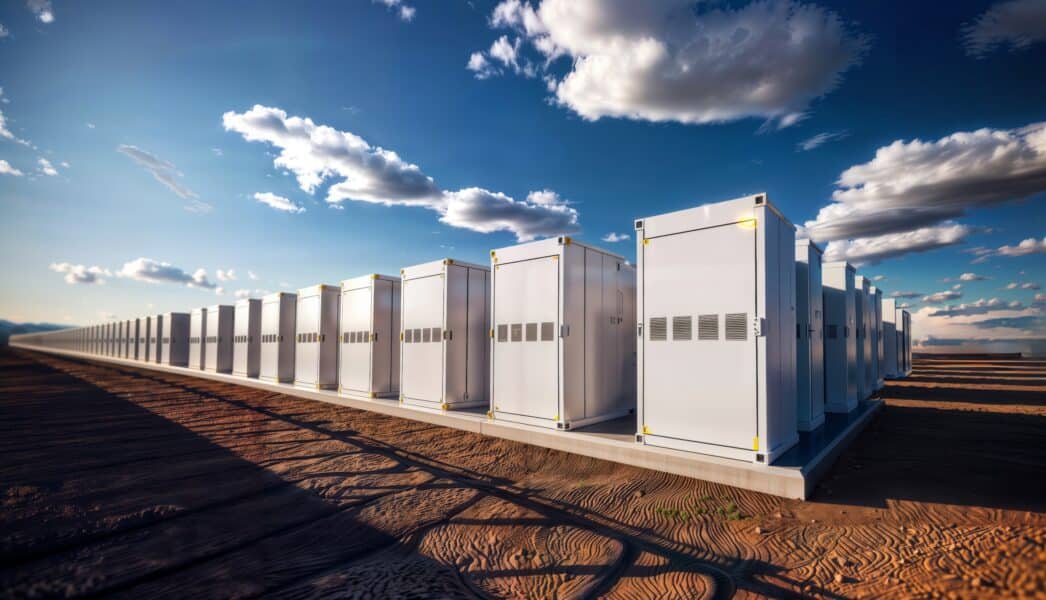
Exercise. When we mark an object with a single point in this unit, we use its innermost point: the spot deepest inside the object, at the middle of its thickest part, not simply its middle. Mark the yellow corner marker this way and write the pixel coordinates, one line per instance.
(645, 241)
(646, 430)
(755, 443)
(490, 415)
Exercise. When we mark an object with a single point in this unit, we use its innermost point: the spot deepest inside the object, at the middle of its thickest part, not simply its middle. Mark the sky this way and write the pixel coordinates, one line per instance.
(165, 156)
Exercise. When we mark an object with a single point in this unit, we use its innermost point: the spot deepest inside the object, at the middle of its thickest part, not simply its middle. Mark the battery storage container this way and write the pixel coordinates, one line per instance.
(246, 341)
(562, 341)
(445, 321)
(877, 338)
(217, 354)
(809, 335)
(369, 360)
(870, 352)
(840, 341)
(716, 306)
(278, 314)
(890, 356)
(316, 351)
(156, 341)
(145, 348)
(861, 337)
(197, 338)
(132, 339)
(905, 339)
(174, 339)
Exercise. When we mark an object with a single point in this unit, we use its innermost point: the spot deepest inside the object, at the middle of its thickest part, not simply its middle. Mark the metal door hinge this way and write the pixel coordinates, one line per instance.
(759, 326)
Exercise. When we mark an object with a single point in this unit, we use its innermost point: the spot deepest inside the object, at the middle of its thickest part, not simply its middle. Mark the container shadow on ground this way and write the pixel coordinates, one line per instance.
(199, 512)
(945, 455)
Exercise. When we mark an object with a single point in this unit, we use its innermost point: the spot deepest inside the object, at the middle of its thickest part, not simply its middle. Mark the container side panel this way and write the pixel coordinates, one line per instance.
(422, 361)
(456, 345)
(478, 353)
(697, 389)
(307, 351)
(571, 334)
(356, 344)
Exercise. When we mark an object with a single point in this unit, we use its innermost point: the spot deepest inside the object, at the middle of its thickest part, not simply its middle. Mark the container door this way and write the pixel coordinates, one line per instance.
(307, 355)
(356, 328)
(699, 353)
(526, 340)
(423, 362)
(270, 329)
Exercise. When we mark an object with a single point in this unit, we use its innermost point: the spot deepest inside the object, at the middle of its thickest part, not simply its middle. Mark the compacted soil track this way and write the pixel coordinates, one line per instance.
(127, 482)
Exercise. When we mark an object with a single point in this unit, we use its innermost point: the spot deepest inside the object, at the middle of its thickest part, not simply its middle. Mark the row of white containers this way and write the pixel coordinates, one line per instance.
(738, 338)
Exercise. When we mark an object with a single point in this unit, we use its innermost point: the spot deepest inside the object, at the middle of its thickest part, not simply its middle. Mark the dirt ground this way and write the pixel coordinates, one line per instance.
(125, 482)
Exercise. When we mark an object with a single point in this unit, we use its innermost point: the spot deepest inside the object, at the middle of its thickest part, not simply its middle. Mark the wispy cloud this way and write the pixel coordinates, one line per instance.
(943, 296)
(1016, 24)
(613, 237)
(278, 202)
(404, 11)
(42, 9)
(153, 271)
(871, 250)
(166, 173)
(46, 168)
(821, 139)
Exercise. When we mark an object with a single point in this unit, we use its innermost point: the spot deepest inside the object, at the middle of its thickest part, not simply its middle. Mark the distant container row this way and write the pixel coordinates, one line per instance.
(554, 334)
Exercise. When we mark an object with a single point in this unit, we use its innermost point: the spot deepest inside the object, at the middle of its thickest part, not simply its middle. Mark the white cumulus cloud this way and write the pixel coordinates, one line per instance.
(680, 60)
(944, 296)
(152, 271)
(315, 154)
(42, 9)
(403, 11)
(278, 202)
(46, 168)
(871, 250)
(971, 277)
(916, 184)
(613, 237)
(225, 275)
(1026, 247)
(7, 169)
(1016, 24)
(75, 274)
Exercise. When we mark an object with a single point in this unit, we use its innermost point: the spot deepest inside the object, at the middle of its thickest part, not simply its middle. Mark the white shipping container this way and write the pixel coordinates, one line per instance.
(279, 311)
(369, 360)
(809, 333)
(174, 341)
(246, 349)
(145, 347)
(156, 340)
(870, 351)
(716, 306)
(877, 338)
(316, 351)
(890, 356)
(840, 341)
(562, 345)
(197, 338)
(217, 354)
(905, 342)
(131, 334)
(443, 353)
(861, 335)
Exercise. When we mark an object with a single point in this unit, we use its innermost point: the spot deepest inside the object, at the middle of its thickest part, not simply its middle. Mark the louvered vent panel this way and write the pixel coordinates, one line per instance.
(502, 333)
(532, 332)
(737, 326)
(437, 334)
(417, 335)
(708, 327)
(548, 331)
(426, 335)
(658, 329)
(517, 332)
(682, 328)
(408, 336)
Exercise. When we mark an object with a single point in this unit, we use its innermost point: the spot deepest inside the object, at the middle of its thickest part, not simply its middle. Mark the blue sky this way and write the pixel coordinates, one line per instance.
(146, 114)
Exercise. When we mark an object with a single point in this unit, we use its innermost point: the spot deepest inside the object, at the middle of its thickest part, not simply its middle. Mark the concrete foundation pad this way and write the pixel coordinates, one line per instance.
(794, 475)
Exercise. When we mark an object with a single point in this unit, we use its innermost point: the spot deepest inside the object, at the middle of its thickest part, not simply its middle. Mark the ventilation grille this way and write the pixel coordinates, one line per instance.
(426, 335)
(682, 328)
(532, 332)
(408, 336)
(517, 332)
(708, 327)
(437, 334)
(737, 326)
(658, 329)
(417, 335)
(548, 331)
(502, 333)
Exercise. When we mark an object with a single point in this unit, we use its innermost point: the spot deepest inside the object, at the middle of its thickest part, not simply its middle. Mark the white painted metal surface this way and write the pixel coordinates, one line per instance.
(197, 338)
(217, 354)
(445, 322)
(877, 338)
(147, 347)
(279, 312)
(890, 356)
(562, 343)
(368, 362)
(809, 333)
(246, 340)
(905, 342)
(174, 341)
(840, 342)
(156, 340)
(861, 335)
(716, 306)
(316, 348)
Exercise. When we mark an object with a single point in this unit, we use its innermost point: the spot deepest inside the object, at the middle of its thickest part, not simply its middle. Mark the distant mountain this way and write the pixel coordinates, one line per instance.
(7, 329)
